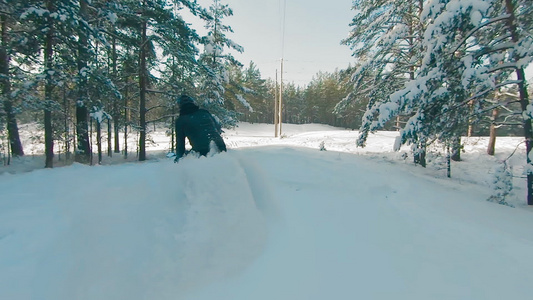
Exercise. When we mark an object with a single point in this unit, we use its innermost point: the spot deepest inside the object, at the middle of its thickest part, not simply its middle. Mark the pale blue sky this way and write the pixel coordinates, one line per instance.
(313, 32)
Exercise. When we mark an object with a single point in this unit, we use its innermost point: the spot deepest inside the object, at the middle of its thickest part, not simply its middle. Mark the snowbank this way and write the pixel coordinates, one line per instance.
(138, 231)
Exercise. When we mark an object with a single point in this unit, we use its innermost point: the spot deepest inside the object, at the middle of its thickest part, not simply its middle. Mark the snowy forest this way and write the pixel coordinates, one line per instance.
(405, 172)
(436, 70)
(118, 66)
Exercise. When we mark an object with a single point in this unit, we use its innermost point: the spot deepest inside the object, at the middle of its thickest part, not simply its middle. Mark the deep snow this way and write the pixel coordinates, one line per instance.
(282, 221)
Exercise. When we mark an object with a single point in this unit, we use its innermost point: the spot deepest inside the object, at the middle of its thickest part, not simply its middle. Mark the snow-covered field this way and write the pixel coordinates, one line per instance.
(271, 219)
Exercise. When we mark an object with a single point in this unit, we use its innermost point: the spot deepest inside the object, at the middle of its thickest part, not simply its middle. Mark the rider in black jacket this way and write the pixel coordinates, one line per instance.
(199, 126)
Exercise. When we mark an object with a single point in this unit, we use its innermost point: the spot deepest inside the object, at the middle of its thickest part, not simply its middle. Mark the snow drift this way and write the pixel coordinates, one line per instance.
(138, 231)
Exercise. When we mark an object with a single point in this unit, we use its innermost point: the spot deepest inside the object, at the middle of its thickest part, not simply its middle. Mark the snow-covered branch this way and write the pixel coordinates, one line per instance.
(471, 32)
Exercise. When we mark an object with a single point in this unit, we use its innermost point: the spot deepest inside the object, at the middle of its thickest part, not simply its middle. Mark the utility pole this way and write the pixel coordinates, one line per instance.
(280, 96)
(276, 120)
(279, 109)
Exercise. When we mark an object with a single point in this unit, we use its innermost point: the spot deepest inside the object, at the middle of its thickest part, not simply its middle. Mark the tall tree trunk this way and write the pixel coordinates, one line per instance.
(420, 154)
(48, 52)
(142, 90)
(116, 130)
(48, 132)
(172, 129)
(12, 128)
(420, 157)
(492, 139)
(456, 148)
(109, 138)
(91, 140)
(524, 102)
(470, 131)
(66, 124)
(116, 110)
(83, 152)
(99, 140)
(448, 162)
(126, 118)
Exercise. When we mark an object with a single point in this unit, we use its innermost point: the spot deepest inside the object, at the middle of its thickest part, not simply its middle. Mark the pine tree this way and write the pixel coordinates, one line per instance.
(255, 90)
(503, 48)
(67, 29)
(322, 95)
(148, 25)
(8, 43)
(386, 38)
(93, 80)
(438, 90)
(469, 48)
(22, 41)
(502, 184)
(214, 62)
(83, 149)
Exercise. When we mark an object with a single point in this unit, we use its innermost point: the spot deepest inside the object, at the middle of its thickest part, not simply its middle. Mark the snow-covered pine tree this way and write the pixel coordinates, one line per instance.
(83, 150)
(94, 83)
(438, 90)
(113, 59)
(49, 83)
(178, 65)
(62, 28)
(385, 38)
(22, 50)
(151, 25)
(119, 24)
(516, 46)
(214, 62)
(502, 184)
(49, 21)
(504, 48)
(9, 43)
(468, 49)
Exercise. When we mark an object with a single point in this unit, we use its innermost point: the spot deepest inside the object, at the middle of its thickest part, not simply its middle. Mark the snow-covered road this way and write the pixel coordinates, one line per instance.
(349, 228)
(277, 222)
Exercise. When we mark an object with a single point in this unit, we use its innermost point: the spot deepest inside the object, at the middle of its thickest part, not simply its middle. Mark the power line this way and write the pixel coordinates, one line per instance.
(283, 29)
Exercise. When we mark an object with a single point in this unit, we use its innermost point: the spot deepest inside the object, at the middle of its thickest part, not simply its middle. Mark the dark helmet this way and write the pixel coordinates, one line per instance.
(184, 99)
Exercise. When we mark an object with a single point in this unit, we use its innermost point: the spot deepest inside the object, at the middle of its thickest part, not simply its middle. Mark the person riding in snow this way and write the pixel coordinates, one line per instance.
(200, 127)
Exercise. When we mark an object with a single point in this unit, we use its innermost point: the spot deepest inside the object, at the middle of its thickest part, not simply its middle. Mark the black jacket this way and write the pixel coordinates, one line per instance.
(199, 126)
